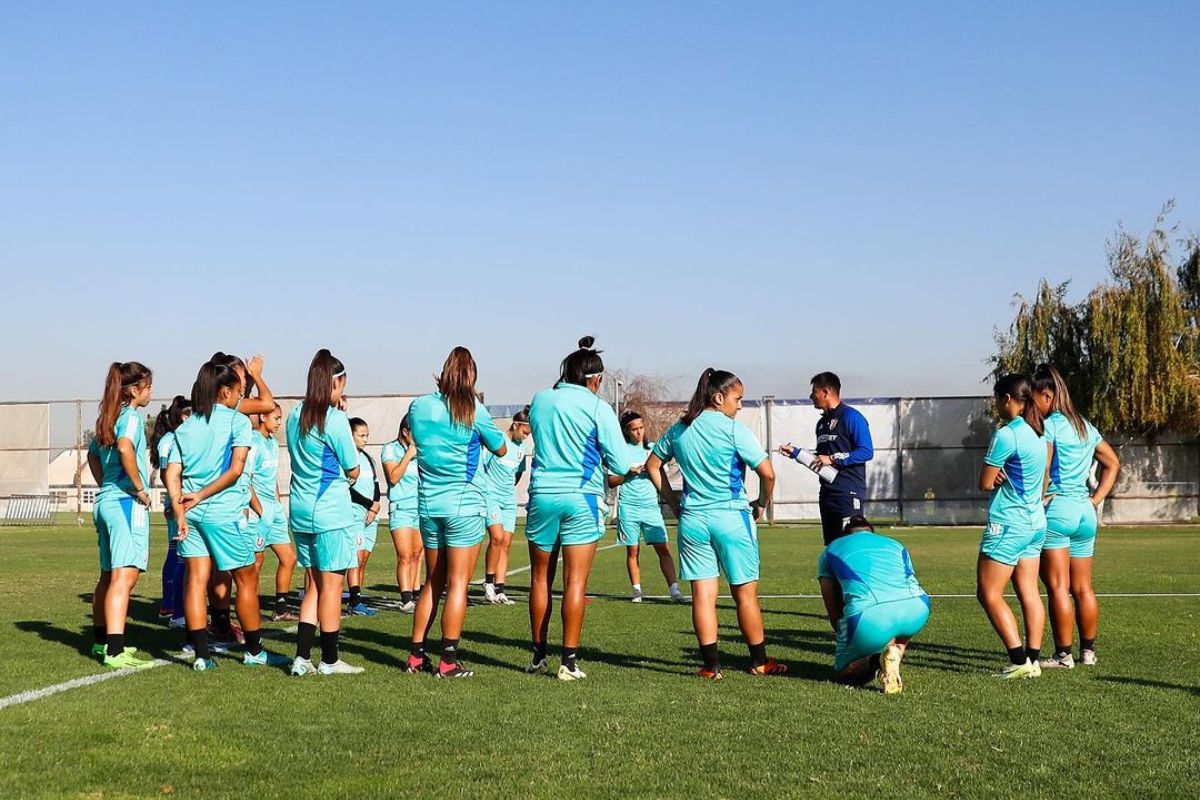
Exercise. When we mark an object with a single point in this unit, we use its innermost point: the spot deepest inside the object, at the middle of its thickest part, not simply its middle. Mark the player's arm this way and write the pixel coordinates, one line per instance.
(255, 504)
(128, 456)
(766, 487)
(93, 460)
(227, 478)
(173, 480)
(831, 593)
(656, 470)
(1003, 446)
(262, 402)
(1110, 465)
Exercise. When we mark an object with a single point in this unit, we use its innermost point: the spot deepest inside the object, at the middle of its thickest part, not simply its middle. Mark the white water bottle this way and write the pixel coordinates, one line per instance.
(807, 457)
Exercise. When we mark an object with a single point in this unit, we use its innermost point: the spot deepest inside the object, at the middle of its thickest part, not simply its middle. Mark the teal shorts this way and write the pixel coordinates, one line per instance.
(327, 551)
(271, 529)
(369, 535)
(122, 533)
(635, 523)
(403, 516)
(503, 515)
(229, 542)
(1008, 544)
(564, 520)
(441, 532)
(718, 541)
(1071, 522)
(867, 632)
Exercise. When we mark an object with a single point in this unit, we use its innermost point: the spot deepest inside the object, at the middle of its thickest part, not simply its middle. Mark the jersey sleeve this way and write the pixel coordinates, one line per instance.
(862, 448)
(611, 440)
(341, 440)
(747, 446)
(241, 434)
(174, 454)
(252, 459)
(664, 448)
(485, 426)
(1094, 437)
(390, 454)
(823, 570)
(1004, 444)
(129, 427)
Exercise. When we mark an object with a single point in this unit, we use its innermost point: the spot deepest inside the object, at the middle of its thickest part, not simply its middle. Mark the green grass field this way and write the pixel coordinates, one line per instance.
(641, 725)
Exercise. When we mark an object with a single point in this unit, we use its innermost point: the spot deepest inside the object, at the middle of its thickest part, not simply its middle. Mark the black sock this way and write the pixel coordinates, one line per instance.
(281, 601)
(489, 578)
(1033, 655)
(569, 656)
(99, 634)
(116, 644)
(355, 596)
(406, 597)
(199, 641)
(221, 621)
(1087, 644)
(539, 651)
(306, 632)
(758, 654)
(329, 647)
(873, 664)
(1017, 655)
(253, 641)
(1061, 650)
(499, 588)
(708, 652)
(449, 651)
(417, 650)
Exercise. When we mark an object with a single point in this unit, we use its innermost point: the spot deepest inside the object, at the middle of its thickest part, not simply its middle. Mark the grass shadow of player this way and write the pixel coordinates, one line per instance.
(1149, 684)
(140, 608)
(779, 612)
(151, 640)
(587, 655)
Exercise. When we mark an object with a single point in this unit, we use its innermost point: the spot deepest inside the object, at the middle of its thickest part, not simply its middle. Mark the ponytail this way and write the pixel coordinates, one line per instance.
(457, 385)
(712, 382)
(234, 362)
(1047, 378)
(168, 419)
(581, 365)
(212, 378)
(322, 372)
(118, 385)
(1018, 388)
(521, 416)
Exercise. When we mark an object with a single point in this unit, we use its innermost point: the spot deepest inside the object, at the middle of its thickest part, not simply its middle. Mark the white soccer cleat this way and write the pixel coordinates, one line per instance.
(1018, 671)
(1058, 662)
(567, 674)
(302, 667)
(409, 607)
(489, 592)
(503, 600)
(638, 594)
(338, 667)
(1088, 658)
(681, 598)
(538, 668)
(889, 670)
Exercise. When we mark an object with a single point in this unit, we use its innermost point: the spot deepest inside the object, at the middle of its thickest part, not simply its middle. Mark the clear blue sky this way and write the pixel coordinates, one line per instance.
(770, 188)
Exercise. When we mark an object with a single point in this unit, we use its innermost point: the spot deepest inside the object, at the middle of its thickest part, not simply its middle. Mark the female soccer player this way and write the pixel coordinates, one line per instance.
(271, 528)
(162, 439)
(874, 603)
(324, 461)
(577, 437)
(449, 427)
(716, 523)
(399, 460)
(364, 494)
(1013, 470)
(203, 477)
(503, 473)
(1071, 517)
(638, 514)
(120, 465)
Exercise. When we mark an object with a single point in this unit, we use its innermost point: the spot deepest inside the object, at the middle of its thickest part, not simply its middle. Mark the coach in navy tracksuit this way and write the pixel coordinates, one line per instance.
(843, 441)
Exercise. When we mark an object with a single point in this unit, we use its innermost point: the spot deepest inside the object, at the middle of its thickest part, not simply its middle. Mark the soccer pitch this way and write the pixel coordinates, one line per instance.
(641, 725)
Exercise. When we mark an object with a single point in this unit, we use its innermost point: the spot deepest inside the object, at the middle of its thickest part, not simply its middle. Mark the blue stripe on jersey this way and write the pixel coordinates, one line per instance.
(228, 462)
(472, 456)
(841, 570)
(330, 470)
(1055, 467)
(908, 568)
(591, 455)
(1015, 474)
(737, 476)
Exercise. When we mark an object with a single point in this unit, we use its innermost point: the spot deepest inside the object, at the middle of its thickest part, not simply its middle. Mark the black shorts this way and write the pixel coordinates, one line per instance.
(836, 511)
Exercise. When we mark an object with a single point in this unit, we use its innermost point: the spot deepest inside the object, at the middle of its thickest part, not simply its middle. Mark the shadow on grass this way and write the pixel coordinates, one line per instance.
(1150, 684)
(155, 641)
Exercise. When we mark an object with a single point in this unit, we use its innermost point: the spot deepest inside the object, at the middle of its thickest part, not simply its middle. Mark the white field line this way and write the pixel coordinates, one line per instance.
(38, 694)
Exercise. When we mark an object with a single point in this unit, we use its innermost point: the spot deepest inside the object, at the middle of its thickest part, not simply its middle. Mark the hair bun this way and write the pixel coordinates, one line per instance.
(586, 342)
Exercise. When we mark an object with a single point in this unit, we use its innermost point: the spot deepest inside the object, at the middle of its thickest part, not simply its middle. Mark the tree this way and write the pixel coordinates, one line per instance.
(649, 395)
(1129, 351)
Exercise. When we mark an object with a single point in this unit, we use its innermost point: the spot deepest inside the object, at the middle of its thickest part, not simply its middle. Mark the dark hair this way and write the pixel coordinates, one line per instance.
(118, 385)
(585, 361)
(358, 422)
(212, 378)
(1047, 378)
(457, 385)
(321, 373)
(712, 382)
(826, 380)
(627, 418)
(522, 416)
(235, 363)
(1018, 388)
(857, 523)
(169, 418)
(405, 425)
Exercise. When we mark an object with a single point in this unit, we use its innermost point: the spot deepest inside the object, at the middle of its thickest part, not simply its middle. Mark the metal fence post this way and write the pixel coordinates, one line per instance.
(899, 463)
(768, 405)
(79, 462)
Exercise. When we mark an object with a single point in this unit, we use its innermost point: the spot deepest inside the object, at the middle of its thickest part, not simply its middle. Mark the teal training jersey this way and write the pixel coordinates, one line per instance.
(713, 453)
(502, 473)
(364, 484)
(449, 457)
(164, 454)
(574, 432)
(1071, 463)
(638, 491)
(263, 466)
(1021, 454)
(204, 448)
(114, 481)
(319, 498)
(870, 569)
(404, 492)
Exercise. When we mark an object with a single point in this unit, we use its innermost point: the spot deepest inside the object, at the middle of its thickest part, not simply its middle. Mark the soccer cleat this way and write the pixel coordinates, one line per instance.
(125, 660)
(502, 599)
(409, 607)
(1037, 669)
(418, 664)
(638, 594)
(99, 650)
(713, 674)
(265, 659)
(361, 610)
(769, 667)
(538, 668)
(681, 598)
(453, 671)
(1064, 661)
(302, 667)
(889, 670)
(177, 623)
(566, 673)
(285, 616)
(233, 636)
(489, 593)
(1018, 671)
(204, 665)
(166, 613)
(338, 667)
(1088, 658)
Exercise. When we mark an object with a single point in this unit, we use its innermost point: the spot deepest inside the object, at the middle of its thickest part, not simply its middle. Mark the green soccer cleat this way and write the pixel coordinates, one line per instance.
(100, 650)
(1018, 671)
(126, 661)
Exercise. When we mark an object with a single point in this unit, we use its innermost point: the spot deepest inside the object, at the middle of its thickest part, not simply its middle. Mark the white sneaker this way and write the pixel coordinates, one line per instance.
(638, 594)
(1058, 662)
(338, 667)
(409, 607)
(503, 600)
(302, 667)
(679, 597)
(1088, 658)
(177, 623)
(538, 668)
(565, 674)
(489, 592)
